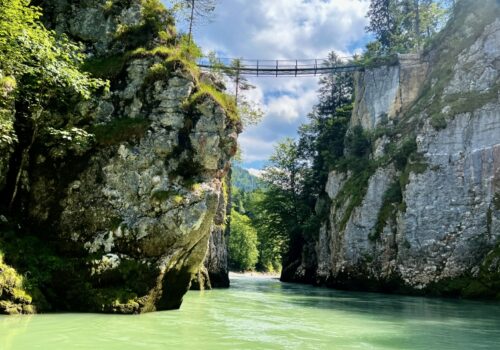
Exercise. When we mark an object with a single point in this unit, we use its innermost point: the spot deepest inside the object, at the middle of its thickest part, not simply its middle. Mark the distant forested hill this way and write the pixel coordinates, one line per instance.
(244, 181)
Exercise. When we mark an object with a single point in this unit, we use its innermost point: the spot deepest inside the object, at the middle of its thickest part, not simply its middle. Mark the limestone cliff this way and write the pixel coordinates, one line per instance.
(214, 272)
(424, 215)
(124, 224)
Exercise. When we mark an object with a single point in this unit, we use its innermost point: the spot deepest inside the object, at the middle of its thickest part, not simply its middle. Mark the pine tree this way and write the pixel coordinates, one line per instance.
(384, 22)
(335, 88)
(402, 25)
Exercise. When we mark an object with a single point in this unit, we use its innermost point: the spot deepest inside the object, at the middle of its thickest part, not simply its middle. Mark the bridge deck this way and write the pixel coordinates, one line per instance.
(276, 68)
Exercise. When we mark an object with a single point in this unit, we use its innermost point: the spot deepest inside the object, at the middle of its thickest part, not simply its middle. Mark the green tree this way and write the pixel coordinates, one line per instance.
(385, 23)
(285, 207)
(272, 239)
(321, 141)
(335, 89)
(402, 25)
(46, 69)
(243, 241)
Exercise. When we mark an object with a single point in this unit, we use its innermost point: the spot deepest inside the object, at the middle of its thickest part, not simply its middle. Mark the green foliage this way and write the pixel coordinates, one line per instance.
(244, 181)
(120, 130)
(249, 112)
(393, 197)
(48, 65)
(357, 142)
(47, 71)
(156, 72)
(403, 154)
(7, 136)
(105, 67)
(61, 142)
(272, 239)
(182, 56)
(161, 195)
(402, 25)
(157, 23)
(12, 284)
(354, 190)
(452, 40)
(242, 246)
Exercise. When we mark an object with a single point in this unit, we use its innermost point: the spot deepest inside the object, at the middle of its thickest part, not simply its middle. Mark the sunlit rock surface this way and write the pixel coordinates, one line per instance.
(443, 236)
(129, 222)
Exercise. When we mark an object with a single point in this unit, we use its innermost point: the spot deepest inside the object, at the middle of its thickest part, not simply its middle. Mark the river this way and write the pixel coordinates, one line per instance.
(262, 313)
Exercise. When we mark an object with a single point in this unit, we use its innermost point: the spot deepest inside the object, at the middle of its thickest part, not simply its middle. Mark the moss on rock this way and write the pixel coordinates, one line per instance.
(14, 299)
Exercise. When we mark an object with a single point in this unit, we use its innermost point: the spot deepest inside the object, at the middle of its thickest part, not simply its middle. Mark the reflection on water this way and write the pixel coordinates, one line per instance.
(259, 313)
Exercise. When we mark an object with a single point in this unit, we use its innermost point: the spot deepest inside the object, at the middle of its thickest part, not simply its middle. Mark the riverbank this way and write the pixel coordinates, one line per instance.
(254, 274)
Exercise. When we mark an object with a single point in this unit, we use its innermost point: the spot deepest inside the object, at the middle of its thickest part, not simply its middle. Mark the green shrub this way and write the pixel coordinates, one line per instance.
(181, 56)
(157, 23)
(120, 130)
(357, 142)
(225, 101)
(404, 153)
(354, 190)
(392, 198)
(156, 72)
(105, 67)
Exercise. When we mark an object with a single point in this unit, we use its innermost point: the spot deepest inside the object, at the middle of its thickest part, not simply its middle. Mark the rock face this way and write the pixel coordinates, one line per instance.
(214, 272)
(132, 217)
(216, 261)
(432, 224)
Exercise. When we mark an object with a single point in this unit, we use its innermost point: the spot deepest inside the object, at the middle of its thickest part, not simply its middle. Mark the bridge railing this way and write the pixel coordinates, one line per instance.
(278, 67)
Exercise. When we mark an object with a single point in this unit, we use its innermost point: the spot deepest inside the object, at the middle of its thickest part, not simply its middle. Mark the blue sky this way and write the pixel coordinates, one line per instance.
(282, 29)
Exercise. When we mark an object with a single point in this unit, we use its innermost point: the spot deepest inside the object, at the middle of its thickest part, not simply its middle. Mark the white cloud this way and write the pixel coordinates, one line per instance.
(290, 108)
(254, 148)
(255, 172)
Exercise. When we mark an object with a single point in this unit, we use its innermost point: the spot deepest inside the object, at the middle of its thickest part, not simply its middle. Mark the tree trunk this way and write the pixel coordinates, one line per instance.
(237, 85)
(417, 22)
(24, 161)
(191, 19)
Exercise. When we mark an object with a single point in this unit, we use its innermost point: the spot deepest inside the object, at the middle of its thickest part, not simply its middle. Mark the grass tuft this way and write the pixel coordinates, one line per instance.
(225, 101)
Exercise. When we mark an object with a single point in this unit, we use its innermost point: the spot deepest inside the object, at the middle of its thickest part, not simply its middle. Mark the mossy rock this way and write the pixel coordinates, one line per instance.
(14, 299)
(120, 130)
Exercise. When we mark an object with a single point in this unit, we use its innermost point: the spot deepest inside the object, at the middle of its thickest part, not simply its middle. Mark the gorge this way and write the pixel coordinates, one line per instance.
(116, 152)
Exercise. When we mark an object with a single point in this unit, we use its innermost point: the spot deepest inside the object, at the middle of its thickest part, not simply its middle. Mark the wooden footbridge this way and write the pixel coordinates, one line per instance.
(279, 68)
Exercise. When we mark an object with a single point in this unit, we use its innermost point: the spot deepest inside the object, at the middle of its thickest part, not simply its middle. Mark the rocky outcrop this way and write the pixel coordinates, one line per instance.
(13, 298)
(128, 220)
(427, 218)
(214, 272)
(383, 93)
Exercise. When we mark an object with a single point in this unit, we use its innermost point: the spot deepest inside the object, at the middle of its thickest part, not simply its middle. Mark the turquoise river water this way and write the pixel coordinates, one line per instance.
(262, 313)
